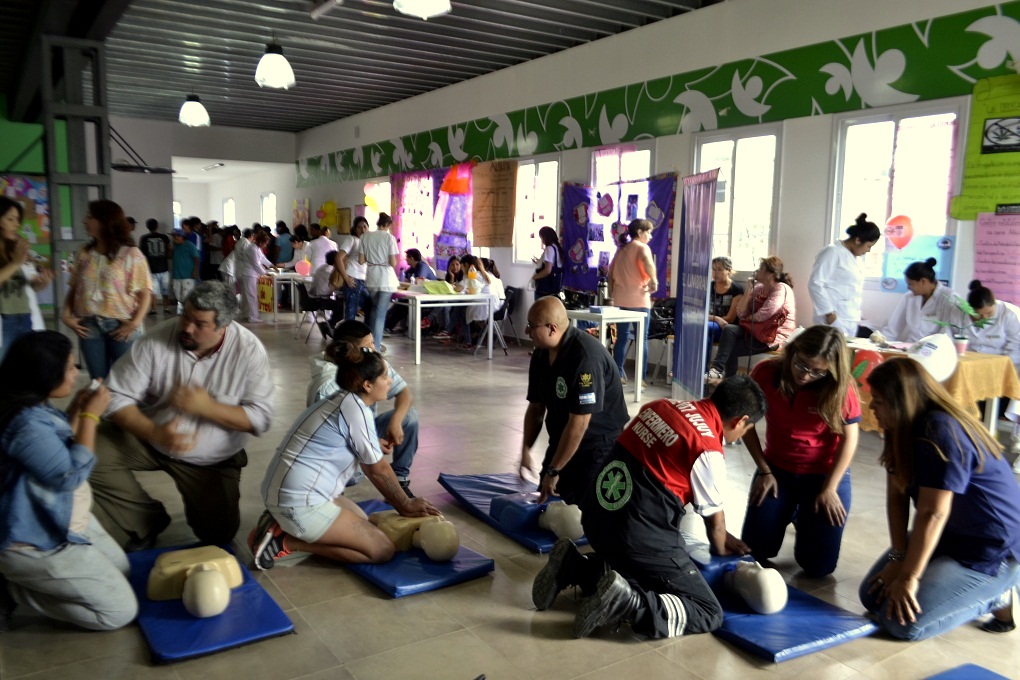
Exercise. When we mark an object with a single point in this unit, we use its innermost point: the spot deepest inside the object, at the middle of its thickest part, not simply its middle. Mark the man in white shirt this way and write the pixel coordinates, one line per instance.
(184, 400)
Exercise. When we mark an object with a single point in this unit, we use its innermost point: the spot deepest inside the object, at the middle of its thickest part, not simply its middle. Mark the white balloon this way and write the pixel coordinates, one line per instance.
(763, 590)
(206, 592)
(937, 354)
(563, 520)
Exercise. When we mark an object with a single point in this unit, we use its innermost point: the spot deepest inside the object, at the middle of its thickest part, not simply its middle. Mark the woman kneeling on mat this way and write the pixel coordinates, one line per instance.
(55, 557)
(960, 559)
(304, 484)
(810, 437)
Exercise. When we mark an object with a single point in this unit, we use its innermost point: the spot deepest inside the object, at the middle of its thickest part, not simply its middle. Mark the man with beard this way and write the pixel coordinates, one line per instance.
(184, 401)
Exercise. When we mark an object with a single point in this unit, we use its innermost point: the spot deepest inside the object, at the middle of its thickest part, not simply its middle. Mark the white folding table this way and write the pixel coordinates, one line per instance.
(616, 315)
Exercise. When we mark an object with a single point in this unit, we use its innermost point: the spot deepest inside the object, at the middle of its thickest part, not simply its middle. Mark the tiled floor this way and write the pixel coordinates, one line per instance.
(471, 411)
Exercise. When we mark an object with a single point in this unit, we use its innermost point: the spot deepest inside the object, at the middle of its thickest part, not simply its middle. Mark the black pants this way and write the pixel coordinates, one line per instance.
(735, 342)
(677, 599)
(579, 473)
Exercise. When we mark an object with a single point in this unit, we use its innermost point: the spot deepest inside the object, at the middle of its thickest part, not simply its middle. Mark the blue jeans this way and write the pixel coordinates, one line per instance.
(817, 543)
(15, 325)
(623, 332)
(403, 454)
(99, 348)
(355, 298)
(949, 594)
(377, 315)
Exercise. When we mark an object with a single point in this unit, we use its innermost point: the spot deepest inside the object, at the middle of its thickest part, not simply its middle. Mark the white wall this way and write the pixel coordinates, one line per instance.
(247, 192)
(194, 199)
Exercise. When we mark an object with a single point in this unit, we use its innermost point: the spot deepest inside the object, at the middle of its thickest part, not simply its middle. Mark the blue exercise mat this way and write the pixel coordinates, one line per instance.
(174, 635)
(411, 571)
(968, 672)
(476, 492)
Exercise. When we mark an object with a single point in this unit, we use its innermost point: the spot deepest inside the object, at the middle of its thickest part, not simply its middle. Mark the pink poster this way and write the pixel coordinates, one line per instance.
(997, 255)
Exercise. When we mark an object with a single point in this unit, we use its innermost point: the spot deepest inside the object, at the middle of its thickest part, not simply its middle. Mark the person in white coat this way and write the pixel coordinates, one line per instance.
(252, 263)
(922, 308)
(837, 277)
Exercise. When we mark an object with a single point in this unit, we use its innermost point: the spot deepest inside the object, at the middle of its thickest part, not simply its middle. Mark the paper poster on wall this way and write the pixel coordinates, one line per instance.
(494, 188)
(991, 172)
(997, 255)
(917, 249)
(31, 192)
(343, 220)
(302, 212)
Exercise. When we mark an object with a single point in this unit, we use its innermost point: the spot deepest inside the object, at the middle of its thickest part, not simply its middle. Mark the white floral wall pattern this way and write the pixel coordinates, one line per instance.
(941, 57)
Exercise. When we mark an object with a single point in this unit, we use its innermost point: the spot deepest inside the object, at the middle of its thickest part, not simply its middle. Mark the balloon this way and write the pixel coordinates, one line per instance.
(370, 203)
(320, 213)
(862, 363)
(303, 268)
(937, 354)
(899, 230)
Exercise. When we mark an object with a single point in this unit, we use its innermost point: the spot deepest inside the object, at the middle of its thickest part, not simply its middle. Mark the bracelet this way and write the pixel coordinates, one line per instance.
(91, 416)
(896, 556)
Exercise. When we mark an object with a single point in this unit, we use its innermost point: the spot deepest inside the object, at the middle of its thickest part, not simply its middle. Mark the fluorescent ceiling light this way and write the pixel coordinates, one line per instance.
(325, 7)
(213, 166)
(274, 70)
(193, 114)
(423, 9)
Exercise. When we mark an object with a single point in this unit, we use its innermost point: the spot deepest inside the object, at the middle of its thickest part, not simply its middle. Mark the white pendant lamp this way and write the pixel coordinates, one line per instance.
(423, 9)
(274, 70)
(193, 114)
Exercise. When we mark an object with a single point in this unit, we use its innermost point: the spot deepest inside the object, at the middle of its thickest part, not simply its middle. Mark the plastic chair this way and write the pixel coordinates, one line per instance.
(314, 306)
(499, 316)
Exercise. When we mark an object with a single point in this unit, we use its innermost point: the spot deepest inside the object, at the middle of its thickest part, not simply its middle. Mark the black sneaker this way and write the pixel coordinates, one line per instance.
(613, 603)
(266, 542)
(556, 574)
(405, 484)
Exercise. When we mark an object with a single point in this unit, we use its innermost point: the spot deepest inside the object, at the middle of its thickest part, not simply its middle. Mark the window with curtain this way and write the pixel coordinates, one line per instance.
(538, 194)
(267, 209)
(745, 196)
(896, 163)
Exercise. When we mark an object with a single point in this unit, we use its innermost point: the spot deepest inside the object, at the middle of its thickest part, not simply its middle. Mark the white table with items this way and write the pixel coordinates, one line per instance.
(610, 315)
(416, 300)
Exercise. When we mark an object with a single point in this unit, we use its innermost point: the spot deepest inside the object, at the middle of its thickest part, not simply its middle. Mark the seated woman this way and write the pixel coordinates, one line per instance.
(304, 483)
(926, 303)
(481, 282)
(767, 317)
(723, 301)
(803, 474)
(443, 318)
(55, 557)
(960, 558)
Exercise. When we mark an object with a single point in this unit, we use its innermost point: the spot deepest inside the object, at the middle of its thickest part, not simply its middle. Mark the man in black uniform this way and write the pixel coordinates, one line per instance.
(156, 248)
(671, 454)
(574, 385)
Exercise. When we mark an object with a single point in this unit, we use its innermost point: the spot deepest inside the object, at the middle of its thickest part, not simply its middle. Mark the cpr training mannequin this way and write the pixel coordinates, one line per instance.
(762, 589)
(201, 577)
(434, 535)
(563, 520)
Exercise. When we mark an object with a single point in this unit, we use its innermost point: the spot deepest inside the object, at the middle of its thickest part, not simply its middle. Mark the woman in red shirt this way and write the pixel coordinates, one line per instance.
(810, 438)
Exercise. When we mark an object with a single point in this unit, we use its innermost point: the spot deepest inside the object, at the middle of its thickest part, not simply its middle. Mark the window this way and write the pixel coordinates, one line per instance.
(745, 196)
(538, 193)
(621, 163)
(896, 163)
(176, 205)
(267, 209)
(379, 193)
(229, 211)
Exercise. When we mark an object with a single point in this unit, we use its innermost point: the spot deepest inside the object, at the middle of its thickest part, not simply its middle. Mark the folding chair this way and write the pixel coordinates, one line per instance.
(498, 317)
(310, 305)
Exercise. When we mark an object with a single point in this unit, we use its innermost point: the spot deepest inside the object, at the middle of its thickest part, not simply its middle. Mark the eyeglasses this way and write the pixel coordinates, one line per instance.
(532, 326)
(812, 373)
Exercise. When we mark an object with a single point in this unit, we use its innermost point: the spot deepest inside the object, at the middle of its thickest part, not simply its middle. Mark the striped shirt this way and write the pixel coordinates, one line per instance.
(320, 453)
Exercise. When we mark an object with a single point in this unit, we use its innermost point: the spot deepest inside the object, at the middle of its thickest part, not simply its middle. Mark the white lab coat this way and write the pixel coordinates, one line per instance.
(836, 285)
(1002, 336)
(911, 321)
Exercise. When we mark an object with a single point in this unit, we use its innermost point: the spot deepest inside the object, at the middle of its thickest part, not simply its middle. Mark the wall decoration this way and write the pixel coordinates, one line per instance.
(343, 220)
(494, 195)
(917, 249)
(925, 60)
(302, 212)
(326, 214)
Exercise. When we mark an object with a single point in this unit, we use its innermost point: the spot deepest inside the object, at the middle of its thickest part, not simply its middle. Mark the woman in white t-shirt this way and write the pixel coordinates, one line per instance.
(353, 271)
(379, 251)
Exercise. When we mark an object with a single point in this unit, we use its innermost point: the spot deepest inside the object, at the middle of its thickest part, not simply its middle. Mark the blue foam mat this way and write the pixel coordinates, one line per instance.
(968, 672)
(475, 492)
(175, 635)
(411, 571)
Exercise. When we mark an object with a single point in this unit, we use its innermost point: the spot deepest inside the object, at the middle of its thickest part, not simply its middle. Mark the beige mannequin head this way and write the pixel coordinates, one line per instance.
(762, 589)
(438, 538)
(563, 520)
(206, 592)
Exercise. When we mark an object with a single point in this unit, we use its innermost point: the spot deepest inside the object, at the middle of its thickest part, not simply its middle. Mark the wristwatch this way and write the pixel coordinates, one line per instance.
(550, 472)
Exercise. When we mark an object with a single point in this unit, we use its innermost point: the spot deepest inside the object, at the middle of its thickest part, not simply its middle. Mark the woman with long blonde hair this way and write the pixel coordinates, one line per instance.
(960, 558)
(803, 474)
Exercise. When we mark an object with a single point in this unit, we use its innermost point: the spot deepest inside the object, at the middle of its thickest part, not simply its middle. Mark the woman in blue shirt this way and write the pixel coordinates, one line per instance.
(55, 557)
(960, 558)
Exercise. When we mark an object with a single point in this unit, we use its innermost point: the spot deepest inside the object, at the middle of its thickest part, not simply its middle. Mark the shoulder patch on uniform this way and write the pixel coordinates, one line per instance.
(586, 398)
(561, 387)
(585, 380)
(614, 485)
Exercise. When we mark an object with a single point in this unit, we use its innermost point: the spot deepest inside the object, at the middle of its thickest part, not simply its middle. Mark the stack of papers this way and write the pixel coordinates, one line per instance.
(438, 288)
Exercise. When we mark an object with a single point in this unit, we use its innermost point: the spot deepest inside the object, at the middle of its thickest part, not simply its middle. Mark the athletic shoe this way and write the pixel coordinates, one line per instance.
(466, 345)
(556, 575)
(426, 324)
(442, 335)
(271, 543)
(1016, 466)
(613, 603)
(405, 484)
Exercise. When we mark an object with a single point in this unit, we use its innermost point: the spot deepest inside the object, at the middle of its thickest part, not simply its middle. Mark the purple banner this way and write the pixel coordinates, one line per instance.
(695, 240)
(593, 219)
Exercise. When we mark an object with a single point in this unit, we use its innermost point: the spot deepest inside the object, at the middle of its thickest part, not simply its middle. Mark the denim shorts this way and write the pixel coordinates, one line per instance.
(307, 523)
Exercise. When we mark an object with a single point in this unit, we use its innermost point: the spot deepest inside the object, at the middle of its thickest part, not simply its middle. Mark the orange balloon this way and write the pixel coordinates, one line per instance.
(899, 230)
(862, 363)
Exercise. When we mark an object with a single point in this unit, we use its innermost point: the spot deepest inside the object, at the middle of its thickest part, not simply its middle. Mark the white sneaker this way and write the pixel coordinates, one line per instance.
(1016, 466)
(1014, 444)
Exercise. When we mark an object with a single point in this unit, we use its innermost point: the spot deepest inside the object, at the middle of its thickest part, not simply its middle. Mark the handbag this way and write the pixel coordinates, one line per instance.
(765, 331)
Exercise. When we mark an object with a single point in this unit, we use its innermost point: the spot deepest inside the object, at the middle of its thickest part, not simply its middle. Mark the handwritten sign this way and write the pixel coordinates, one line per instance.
(896, 260)
(997, 255)
(494, 203)
(266, 289)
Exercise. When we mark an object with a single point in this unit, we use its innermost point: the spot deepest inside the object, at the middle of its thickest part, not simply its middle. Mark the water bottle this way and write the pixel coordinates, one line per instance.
(603, 291)
(414, 279)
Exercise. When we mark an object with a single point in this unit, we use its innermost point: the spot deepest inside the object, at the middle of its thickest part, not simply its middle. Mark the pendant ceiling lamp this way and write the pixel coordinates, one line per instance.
(193, 114)
(274, 70)
(423, 9)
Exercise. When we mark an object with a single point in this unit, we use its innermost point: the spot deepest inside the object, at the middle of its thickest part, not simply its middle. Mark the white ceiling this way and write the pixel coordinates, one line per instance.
(190, 169)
